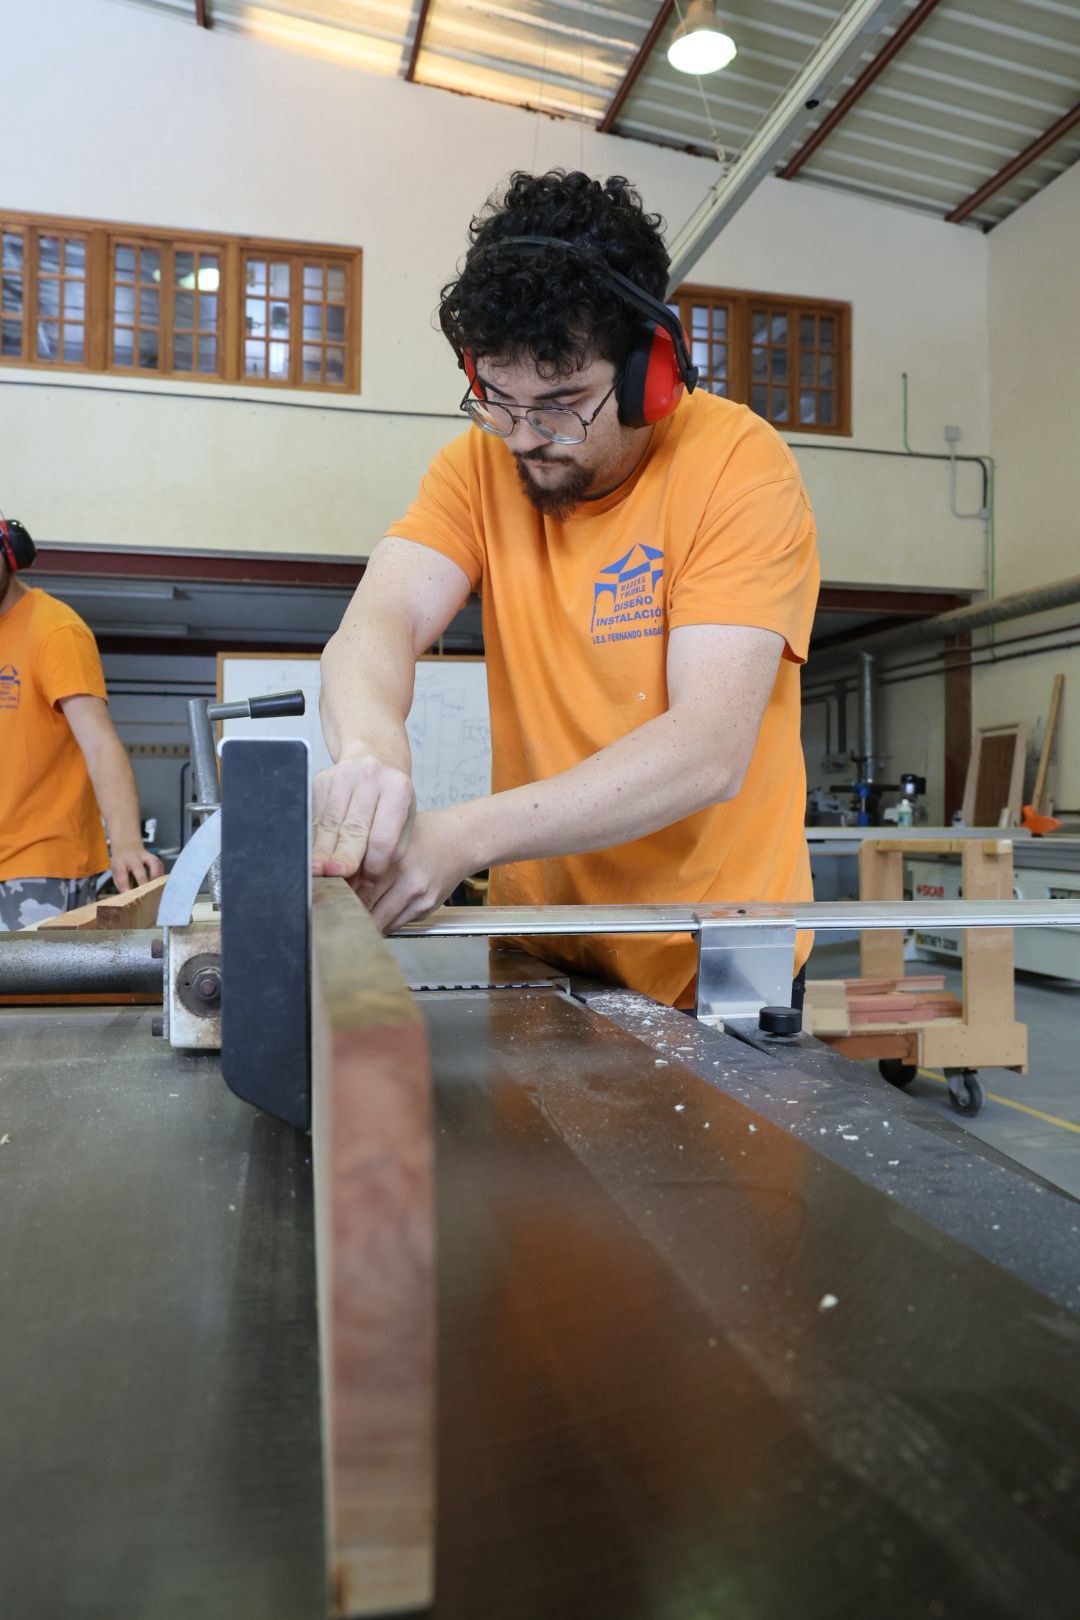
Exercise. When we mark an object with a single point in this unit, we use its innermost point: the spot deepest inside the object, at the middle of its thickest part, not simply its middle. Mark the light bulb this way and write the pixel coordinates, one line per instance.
(700, 46)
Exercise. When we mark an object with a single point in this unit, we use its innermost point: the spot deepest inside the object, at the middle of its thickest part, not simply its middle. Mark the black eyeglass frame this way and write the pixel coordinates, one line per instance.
(517, 412)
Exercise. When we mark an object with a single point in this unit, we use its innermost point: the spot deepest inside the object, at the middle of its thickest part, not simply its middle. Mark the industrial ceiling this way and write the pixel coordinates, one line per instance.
(959, 108)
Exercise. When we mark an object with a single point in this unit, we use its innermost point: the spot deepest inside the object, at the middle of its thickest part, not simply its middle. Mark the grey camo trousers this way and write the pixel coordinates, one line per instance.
(29, 900)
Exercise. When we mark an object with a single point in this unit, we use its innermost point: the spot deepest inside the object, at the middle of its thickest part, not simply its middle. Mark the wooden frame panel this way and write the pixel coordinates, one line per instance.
(742, 307)
(373, 1155)
(998, 758)
(101, 238)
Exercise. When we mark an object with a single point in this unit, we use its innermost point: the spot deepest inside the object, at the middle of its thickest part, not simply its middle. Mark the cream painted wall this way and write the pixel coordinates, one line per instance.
(167, 124)
(1035, 412)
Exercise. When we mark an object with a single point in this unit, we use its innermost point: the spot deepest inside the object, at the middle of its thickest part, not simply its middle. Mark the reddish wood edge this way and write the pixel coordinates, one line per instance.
(373, 1154)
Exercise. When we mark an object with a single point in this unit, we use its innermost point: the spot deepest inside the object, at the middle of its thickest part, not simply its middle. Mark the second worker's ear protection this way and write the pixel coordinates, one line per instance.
(657, 370)
(16, 546)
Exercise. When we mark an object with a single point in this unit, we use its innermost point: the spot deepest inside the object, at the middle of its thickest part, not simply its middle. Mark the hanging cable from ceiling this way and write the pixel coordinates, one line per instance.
(724, 157)
(540, 98)
(581, 126)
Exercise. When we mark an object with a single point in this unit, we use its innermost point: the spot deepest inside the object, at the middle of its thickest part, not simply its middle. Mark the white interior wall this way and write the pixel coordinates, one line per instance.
(1035, 407)
(165, 123)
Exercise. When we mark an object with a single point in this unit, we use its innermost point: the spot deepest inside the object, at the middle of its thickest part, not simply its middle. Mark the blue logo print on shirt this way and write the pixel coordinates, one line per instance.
(10, 687)
(624, 597)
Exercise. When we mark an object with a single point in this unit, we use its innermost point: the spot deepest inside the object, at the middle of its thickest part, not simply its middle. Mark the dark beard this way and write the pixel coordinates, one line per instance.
(557, 503)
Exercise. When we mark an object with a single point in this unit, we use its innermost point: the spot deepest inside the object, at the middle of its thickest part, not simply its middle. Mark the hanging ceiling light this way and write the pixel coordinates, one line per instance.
(700, 44)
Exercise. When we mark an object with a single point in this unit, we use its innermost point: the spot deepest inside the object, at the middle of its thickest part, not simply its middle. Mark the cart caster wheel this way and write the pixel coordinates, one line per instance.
(896, 1072)
(965, 1091)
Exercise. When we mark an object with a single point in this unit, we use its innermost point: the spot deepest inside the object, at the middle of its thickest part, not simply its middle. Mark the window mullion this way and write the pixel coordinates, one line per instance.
(232, 290)
(30, 270)
(296, 321)
(740, 376)
(793, 368)
(166, 311)
(96, 295)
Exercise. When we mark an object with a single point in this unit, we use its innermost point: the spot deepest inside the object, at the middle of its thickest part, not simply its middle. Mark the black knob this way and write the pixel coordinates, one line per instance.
(275, 704)
(783, 1021)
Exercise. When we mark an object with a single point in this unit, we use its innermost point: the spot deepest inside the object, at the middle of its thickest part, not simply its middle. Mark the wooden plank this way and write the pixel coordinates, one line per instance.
(80, 917)
(136, 908)
(957, 721)
(987, 1046)
(373, 1153)
(825, 1008)
(914, 981)
(863, 1047)
(881, 877)
(989, 978)
(1039, 794)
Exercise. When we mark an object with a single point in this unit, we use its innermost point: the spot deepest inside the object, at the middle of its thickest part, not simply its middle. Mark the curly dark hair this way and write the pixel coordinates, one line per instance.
(556, 307)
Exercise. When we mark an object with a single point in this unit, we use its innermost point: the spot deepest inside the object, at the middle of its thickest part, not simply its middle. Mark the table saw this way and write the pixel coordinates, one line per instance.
(726, 1326)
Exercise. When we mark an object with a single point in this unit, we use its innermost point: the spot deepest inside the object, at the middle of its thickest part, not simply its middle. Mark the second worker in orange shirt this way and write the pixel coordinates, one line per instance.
(647, 564)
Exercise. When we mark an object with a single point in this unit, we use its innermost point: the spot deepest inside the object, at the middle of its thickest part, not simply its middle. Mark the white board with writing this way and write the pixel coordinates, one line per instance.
(449, 726)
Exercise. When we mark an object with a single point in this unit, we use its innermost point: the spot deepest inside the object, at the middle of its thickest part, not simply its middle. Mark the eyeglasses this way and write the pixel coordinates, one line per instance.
(557, 423)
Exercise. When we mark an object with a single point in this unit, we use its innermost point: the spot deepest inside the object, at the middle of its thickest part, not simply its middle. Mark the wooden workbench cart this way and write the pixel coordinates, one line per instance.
(982, 1031)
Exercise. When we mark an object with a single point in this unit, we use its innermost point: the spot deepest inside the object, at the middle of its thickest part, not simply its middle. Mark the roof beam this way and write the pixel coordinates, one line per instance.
(418, 41)
(645, 50)
(829, 63)
(1041, 144)
(855, 92)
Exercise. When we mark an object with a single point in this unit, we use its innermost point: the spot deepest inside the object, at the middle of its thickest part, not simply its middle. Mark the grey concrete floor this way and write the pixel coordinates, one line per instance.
(1051, 1009)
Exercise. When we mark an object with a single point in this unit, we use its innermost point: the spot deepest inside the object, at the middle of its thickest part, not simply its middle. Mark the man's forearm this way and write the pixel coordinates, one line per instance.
(116, 791)
(368, 671)
(655, 775)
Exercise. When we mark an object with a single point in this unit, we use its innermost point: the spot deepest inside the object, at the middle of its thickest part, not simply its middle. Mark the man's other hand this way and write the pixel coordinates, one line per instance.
(130, 867)
(363, 812)
(439, 855)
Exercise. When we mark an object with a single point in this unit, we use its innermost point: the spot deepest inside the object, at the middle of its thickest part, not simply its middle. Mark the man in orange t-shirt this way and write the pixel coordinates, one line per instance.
(58, 749)
(648, 570)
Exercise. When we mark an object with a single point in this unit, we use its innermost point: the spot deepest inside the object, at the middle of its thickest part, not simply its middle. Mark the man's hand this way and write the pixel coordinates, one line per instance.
(363, 812)
(133, 866)
(440, 853)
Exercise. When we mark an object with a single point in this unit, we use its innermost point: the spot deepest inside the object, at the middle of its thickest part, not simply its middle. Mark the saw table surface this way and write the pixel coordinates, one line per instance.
(696, 1359)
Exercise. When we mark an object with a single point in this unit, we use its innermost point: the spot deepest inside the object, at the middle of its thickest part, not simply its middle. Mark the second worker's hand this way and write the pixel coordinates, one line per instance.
(363, 811)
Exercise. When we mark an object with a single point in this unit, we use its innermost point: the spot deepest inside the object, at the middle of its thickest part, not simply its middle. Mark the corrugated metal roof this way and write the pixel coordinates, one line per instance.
(975, 85)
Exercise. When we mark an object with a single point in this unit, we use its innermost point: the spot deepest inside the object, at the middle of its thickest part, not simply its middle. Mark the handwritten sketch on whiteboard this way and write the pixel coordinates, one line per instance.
(449, 726)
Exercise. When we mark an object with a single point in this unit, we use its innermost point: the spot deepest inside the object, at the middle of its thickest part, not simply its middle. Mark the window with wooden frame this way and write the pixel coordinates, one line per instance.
(789, 359)
(139, 301)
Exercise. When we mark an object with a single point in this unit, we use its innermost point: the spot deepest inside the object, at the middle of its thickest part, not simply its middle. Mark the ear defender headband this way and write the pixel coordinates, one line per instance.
(16, 546)
(658, 370)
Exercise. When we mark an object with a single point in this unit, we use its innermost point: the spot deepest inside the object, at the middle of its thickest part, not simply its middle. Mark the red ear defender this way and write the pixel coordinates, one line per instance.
(652, 384)
(470, 372)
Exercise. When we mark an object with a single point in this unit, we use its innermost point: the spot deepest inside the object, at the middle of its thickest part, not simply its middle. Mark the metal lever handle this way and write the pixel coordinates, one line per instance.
(271, 707)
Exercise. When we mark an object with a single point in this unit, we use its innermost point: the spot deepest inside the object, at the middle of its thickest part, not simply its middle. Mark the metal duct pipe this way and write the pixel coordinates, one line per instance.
(866, 714)
(85, 964)
(1021, 604)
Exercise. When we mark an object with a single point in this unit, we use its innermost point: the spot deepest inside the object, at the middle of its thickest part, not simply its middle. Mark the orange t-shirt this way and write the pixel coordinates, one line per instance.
(49, 820)
(713, 527)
